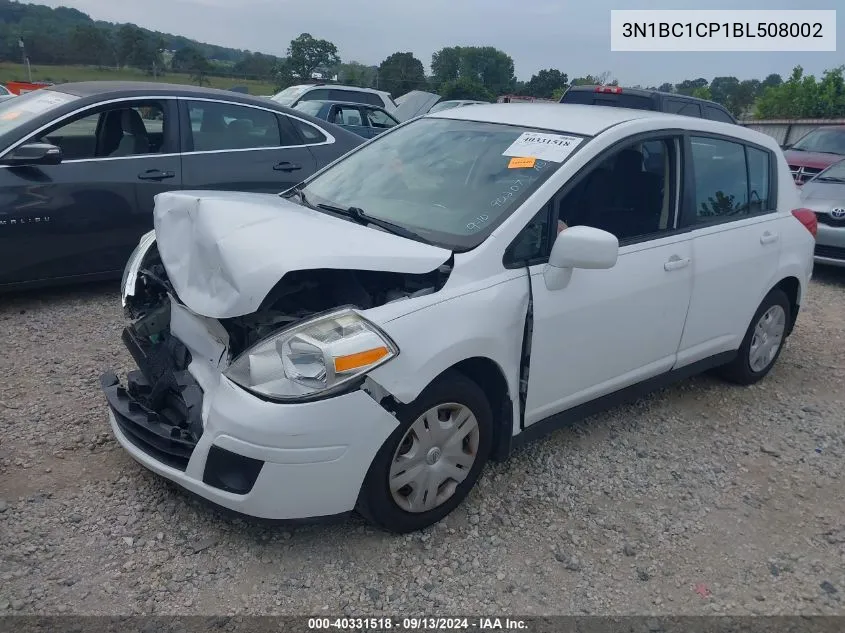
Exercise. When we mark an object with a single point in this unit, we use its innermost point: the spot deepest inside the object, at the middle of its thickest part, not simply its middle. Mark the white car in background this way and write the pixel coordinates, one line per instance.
(438, 296)
(294, 95)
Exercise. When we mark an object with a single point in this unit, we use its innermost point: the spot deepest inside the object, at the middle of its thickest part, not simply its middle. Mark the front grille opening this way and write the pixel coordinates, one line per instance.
(823, 218)
(231, 472)
(160, 409)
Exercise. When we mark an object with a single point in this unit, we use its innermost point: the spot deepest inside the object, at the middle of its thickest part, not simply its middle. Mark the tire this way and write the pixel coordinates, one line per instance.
(421, 444)
(743, 370)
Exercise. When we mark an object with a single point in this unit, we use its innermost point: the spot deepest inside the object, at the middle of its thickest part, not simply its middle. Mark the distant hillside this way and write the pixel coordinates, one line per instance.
(68, 36)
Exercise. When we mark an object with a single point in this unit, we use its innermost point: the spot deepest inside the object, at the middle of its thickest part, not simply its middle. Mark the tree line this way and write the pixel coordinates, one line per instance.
(68, 36)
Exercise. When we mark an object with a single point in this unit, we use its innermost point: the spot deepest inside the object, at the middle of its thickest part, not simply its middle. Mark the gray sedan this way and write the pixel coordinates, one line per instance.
(80, 164)
(825, 194)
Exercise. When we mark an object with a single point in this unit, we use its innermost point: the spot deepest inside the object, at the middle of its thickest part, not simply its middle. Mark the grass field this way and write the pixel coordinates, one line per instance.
(63, 74)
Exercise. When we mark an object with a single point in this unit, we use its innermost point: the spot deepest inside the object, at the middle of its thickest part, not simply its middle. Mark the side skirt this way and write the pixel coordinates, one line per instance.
(628, 394)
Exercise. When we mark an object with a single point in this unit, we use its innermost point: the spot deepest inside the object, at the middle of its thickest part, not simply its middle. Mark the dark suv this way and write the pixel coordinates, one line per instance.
(639, 99)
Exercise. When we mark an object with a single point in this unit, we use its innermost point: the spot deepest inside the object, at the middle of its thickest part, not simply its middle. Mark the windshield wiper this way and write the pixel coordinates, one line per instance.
(829, 179)
(299, 193)
(357, 214)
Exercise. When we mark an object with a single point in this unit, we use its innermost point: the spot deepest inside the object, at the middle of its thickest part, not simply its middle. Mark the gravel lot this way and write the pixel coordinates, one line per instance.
(705, 498)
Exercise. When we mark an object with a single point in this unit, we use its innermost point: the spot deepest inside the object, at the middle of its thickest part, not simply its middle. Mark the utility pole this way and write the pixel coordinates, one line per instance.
(25, 59)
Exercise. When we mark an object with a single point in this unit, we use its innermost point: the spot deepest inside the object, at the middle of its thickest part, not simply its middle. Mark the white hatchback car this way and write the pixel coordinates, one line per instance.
(448, 290)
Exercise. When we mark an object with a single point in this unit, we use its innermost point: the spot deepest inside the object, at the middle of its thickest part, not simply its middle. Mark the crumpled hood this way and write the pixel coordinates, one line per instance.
(225, 251)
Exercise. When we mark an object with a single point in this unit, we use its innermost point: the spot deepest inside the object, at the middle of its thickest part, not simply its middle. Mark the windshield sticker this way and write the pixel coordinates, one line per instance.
(553, 147)
(522, 162)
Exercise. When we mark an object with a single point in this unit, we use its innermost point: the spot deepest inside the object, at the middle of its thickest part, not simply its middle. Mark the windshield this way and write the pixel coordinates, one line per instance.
(23, 109)
(450, 182)
(834, 172)
(289, 95)
(831, 141)
(309, 107)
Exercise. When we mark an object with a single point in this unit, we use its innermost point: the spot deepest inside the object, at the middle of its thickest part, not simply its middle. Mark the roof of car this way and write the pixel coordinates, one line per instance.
(132, 88)
(341, 86)
(591, 120)
(644, 92)
(636, 91)
(581, 119)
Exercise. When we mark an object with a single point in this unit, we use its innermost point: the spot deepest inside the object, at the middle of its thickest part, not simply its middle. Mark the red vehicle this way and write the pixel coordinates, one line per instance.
(815, 151)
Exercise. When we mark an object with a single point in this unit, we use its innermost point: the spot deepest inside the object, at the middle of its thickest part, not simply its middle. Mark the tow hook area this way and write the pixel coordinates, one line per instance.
(160, 409)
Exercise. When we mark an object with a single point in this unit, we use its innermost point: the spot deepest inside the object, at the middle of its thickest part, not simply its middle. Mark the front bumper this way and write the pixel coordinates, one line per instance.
(830, 245)
(263, 459)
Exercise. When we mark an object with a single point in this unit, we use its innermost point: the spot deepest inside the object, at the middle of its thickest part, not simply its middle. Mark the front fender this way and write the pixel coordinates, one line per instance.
(486, 323)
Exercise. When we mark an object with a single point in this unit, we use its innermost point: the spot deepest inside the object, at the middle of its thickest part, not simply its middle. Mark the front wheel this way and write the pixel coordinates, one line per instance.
(432, 460)
(763, 341)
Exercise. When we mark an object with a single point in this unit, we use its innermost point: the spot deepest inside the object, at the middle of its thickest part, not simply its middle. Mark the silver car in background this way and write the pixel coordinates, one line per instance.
(825, 194)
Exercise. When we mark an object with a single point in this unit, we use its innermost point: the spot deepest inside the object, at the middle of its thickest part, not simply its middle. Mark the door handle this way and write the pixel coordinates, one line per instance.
(676, 263)
(286, 166)
(768, 238)
(156, 174)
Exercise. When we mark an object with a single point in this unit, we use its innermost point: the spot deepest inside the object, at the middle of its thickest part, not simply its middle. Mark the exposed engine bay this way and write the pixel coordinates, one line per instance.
(297, 296)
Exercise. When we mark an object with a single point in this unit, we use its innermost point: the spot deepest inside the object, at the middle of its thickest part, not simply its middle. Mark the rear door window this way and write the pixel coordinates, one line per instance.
(220, 126)
(346, 115)
(348, 95)
(732, 180)
(319, 94)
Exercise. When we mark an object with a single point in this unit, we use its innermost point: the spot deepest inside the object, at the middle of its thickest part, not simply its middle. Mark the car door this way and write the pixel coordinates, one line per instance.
(608, 329)
(732, 221)
(378, 120)
(85, 215)
(351, 118)
(240, 147)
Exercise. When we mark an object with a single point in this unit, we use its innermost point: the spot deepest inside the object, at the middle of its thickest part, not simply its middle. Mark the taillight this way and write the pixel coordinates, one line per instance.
(611, 89)
(808, 219)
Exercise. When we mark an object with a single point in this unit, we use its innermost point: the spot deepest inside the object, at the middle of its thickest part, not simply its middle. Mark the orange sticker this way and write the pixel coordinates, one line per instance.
(11, 115)
(521, 162)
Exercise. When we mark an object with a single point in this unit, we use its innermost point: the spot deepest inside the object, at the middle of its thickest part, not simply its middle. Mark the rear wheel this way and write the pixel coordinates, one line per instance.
(763, 341)
(432, 460)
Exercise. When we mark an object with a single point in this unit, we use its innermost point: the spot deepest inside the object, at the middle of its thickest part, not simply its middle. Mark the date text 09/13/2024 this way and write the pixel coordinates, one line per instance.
(416, 624)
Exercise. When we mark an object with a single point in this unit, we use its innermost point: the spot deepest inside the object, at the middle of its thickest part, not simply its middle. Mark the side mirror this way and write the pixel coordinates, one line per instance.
(34, 154)
(579, 247)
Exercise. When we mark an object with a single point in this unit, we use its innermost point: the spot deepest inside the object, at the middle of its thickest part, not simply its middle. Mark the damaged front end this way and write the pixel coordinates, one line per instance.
(161, 408)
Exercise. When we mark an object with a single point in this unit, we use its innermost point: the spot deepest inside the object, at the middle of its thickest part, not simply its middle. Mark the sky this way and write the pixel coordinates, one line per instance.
(572, 36)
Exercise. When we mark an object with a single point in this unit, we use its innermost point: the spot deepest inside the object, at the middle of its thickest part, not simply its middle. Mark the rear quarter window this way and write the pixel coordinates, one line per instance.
(685, 108)
(717, 114)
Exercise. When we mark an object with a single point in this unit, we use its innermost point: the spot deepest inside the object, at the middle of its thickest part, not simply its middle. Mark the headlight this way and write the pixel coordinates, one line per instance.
(314, 357)
(130, 273)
